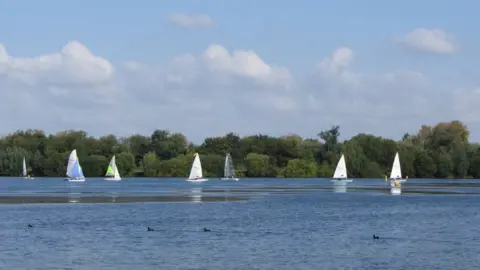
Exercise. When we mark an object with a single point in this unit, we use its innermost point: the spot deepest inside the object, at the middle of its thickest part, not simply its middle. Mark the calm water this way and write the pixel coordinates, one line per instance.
(255, 224)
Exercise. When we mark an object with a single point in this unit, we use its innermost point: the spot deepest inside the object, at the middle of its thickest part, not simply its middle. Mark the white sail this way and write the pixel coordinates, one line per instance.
(196, 174)
(196, 171)
(396, 172)
(74, 170)
(229, 170)
(71, 161)
(341, 169)
(117, 173)
(112, 170)
(24, 168)
(80, 171)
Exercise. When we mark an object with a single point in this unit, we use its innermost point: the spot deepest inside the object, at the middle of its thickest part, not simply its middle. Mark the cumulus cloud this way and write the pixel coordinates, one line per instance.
(387, 104)
(429, 40)
(192, 21)
(337, 66)
(211, 93)
(217, 91)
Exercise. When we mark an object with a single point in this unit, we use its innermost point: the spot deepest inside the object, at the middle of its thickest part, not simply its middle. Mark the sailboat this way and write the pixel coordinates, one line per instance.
(24, 171)
(112, 171)
(340, 174)
(229, 171)
(74, 170)
(396, 173)
(196, 174)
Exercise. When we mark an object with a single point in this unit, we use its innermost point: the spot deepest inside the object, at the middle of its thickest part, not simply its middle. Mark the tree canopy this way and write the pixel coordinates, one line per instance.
(441, 151)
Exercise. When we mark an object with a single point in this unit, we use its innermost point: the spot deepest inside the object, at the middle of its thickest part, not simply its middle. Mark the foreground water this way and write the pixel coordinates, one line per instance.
(255, 224)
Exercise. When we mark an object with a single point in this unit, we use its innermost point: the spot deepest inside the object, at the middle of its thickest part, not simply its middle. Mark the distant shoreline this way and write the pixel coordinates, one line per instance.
(241, 178)
(442, 151)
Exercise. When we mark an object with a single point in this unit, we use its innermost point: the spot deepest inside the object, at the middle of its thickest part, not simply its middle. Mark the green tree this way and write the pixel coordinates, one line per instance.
(324, 170)
(424, 164)
(298, 168)
(257, 165)
(440, 150)
(167, 145)
(212, 165)
(445, 165)
(53, 164)
(355, 158)
(408, 154)
(373, 170)
(330, 148)
(151, 165)
(460, 161)
(474, 169)
(178, 166)
(95, 165)
(139, 146)
(125, 163)
(11, 160)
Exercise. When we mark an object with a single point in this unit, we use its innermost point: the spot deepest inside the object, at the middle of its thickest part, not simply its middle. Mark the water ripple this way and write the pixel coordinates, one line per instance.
(279, 224)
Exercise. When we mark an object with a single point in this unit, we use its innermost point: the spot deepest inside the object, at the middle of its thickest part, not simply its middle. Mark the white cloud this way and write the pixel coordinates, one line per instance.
(337, 66)
(74, 64)
(245, 64)
(217, 91)
(385, 104)
(191, 20)
(201, 95)
(429, 40)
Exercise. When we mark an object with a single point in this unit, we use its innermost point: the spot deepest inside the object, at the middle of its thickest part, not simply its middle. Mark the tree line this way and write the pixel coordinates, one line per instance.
(441, 151)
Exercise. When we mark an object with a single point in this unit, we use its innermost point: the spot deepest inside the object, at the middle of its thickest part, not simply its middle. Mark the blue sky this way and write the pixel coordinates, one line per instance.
(408, 63)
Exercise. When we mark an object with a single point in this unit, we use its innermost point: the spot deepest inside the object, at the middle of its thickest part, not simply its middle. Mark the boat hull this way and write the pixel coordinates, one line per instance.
(397, 183)
(75, 179)
(112, 179)
(28, 178)
(197, 180)
(230, 178)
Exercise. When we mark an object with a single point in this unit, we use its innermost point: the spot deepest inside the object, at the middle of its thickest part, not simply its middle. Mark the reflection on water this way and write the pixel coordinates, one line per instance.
(396, 190)
(52, 191)
(73, 197)
(426, 230)
(73, 200)
(114, 196)
(226, 192)
(76, 197)
(196, 194)
(339, 187)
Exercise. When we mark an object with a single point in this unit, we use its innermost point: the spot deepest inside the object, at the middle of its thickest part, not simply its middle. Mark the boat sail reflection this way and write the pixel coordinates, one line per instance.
(196, 194)
(396, 190)
(395, 187)
(340, 187)
(73, 197)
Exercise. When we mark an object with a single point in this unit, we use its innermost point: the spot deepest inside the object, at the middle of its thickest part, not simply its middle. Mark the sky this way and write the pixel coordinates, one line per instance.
(208, 67)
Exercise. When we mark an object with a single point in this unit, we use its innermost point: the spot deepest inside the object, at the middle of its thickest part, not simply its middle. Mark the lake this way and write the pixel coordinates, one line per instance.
(254, 223)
